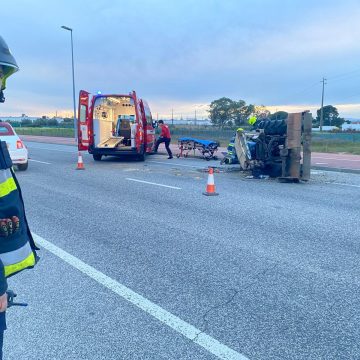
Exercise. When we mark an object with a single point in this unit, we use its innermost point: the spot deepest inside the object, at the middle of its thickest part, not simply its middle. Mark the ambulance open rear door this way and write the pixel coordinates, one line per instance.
(84, 126)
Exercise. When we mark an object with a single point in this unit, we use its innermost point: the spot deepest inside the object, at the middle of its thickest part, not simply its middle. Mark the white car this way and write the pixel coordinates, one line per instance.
(18, 152)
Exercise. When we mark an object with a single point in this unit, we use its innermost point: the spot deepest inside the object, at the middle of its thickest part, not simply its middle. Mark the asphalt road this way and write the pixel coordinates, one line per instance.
(138, 264)
(326, 161)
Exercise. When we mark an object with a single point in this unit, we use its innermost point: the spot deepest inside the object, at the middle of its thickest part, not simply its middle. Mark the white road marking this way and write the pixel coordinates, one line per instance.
(172, 164)
(321, 163)
(342, 184)
(152, 183)
(44, 148)
(332, 158)
(209, 343)
(41, 162)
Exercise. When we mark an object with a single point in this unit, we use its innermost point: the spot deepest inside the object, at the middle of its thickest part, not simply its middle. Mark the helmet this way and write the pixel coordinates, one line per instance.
(252, 120)
(8, 66)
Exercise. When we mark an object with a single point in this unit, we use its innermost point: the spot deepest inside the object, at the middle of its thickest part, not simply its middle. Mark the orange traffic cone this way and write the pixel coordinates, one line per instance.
(210, 187)
(80, 164)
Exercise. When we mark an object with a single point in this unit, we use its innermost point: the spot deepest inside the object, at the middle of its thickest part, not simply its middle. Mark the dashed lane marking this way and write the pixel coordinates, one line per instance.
(41, 162)
(44, 148)
(152, 183)
(170, 163)
(342, 184)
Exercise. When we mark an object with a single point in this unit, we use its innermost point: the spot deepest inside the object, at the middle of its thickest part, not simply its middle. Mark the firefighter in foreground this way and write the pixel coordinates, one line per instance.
(17, 248)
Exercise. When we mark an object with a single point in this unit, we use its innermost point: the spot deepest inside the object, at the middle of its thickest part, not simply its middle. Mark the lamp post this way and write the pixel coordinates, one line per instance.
(73, 77)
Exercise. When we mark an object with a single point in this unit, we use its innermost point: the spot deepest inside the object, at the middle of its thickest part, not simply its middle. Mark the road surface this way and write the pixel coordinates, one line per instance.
(137, 264)
(326, 161)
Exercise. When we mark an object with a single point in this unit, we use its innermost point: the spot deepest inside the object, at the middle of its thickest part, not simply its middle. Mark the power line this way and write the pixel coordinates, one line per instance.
(322, 104)
(347, 74)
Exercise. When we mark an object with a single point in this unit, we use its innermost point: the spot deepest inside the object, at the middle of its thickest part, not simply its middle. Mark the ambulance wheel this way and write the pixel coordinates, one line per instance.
(97, 157)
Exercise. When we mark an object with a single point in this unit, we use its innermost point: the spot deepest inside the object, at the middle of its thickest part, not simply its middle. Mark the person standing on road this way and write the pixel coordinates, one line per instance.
(17, 247)
(165, 137)
(3, 305)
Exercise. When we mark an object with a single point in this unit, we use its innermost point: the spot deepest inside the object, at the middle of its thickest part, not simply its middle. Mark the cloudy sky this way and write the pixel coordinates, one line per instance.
(184, 54)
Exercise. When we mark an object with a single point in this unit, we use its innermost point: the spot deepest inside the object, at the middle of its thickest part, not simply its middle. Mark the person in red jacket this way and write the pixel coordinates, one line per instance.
(165, 137)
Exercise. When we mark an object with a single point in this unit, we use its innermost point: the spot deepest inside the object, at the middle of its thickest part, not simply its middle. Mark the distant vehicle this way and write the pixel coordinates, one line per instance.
(18, 152)
(115, 125)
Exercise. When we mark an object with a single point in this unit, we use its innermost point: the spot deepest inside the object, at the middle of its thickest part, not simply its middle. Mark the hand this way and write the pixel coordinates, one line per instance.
(3, 302)
(9, 226)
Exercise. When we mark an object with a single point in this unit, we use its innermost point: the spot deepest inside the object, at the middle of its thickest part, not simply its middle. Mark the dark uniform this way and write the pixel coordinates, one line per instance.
(17, 247)
(3, 288)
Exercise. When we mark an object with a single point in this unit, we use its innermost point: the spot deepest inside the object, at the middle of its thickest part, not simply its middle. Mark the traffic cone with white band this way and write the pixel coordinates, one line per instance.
(80, 164)
(210, 187)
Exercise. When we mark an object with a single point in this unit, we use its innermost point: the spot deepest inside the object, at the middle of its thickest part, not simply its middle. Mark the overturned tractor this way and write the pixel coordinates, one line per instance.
(278, 148)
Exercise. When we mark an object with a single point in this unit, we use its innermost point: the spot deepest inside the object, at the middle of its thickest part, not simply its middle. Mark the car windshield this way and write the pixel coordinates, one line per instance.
(6, 130)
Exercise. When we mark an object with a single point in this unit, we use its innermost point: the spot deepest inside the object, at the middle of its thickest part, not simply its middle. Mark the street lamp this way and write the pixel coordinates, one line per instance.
(73, 77)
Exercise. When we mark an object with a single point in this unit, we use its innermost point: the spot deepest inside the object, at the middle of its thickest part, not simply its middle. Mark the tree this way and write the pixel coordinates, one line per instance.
(226, 112)
(261, 112)
(40, 122)
(221, 111)
(52, 122)
(330, 116)
(26, 122)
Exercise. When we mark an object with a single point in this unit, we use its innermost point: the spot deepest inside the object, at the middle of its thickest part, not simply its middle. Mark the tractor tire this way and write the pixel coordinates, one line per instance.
(273, 127)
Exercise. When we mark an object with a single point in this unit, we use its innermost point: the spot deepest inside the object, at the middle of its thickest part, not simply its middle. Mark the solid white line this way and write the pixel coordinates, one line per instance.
(342, 184)
(320, 163)
(42, 148)
(330, 158)
(151, 183)
(42, 162)
(172, 164)
(182, 327)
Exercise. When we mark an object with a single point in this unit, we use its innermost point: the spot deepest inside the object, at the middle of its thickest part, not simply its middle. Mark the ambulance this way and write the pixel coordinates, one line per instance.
(115, 125)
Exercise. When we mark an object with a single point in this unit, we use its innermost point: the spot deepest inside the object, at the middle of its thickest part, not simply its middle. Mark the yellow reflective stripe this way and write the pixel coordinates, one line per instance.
(7, 187)
(14, 268)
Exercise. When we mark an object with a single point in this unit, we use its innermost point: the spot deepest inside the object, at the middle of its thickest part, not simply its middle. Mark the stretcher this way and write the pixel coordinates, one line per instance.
(206, 147)
(111, 142)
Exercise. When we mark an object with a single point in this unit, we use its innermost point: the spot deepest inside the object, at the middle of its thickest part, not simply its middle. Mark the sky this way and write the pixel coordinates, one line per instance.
(182, 55)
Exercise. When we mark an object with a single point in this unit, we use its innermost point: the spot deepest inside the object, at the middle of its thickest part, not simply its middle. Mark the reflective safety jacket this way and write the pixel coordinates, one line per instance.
(18, 250)
(252, 120)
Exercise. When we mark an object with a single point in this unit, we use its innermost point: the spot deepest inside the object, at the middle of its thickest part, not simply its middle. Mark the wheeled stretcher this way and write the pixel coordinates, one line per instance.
(206, 147)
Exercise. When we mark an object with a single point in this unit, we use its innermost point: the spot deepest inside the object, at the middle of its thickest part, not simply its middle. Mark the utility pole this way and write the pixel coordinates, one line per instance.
(195, 117)
(73, 78)
(322, 105)
(172, 116)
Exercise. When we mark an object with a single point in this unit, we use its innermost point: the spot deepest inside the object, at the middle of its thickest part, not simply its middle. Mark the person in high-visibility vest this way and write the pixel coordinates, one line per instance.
(17, 247)
(252, 120)
(231, 157)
